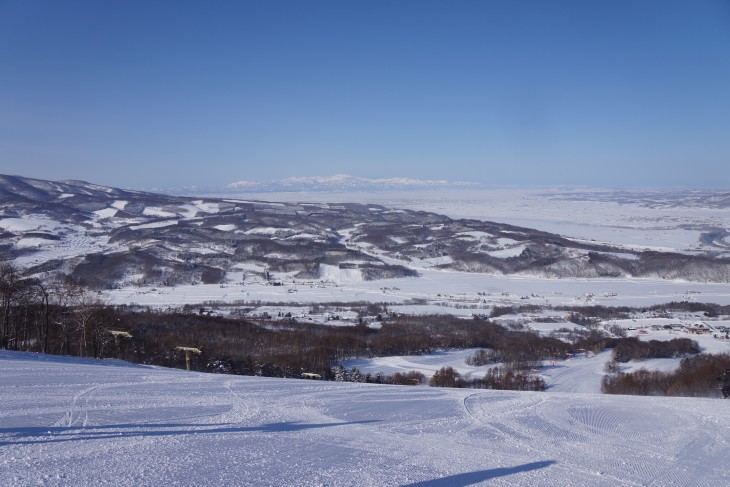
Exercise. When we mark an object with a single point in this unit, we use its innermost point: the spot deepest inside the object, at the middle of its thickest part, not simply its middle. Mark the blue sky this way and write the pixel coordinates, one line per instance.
(177, 93)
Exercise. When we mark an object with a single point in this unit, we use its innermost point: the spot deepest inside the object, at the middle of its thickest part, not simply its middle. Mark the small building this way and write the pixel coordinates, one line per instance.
(699, 328)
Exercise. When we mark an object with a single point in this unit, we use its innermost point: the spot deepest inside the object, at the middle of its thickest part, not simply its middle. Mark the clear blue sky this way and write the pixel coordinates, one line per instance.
(176, 93)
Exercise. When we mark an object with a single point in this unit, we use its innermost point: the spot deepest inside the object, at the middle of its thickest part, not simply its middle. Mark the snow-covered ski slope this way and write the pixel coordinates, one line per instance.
(75, 422)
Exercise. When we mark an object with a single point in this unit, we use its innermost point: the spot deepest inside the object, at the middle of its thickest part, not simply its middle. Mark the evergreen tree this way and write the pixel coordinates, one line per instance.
(341, 374)
(355, 375)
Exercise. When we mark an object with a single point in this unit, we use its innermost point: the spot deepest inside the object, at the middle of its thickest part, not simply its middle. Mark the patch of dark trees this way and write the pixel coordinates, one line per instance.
(632, 348)
(500, 377)
(697, 376)
(592, 314)
(287, 348)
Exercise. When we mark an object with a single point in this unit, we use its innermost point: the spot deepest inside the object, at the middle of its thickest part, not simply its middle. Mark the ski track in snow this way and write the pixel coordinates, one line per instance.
(81, 422)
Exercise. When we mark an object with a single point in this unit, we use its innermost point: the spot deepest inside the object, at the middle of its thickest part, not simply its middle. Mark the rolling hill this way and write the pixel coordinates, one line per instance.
(108, 238)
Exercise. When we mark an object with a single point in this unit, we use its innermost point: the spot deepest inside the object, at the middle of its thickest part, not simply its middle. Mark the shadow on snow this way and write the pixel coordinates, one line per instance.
(471, 478)
(55, 434)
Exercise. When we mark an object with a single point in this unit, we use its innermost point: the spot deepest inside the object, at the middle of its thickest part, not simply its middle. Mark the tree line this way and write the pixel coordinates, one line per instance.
(63, 318)
(697, 376)
(60, 317)
(51, 317)
(504, 377)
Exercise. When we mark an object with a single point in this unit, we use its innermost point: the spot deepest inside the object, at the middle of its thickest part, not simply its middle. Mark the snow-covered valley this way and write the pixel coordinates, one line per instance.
(80, 422)
(659, 264)
(438, 291)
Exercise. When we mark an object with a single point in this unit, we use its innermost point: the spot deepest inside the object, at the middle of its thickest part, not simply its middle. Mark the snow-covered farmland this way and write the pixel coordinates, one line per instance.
(159, 212)
(331, 273)
(77, 422)
(457, 292)
(106, 212)
(225, 228)
(157, 224)
(38, 223)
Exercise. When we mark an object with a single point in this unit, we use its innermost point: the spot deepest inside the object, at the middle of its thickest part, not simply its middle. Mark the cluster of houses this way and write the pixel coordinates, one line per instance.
(697, 328)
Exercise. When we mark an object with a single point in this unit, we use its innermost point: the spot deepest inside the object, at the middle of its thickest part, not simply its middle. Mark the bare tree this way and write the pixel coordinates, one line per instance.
(10, 286)
(65, 295)
(84, 319)
(43, 291)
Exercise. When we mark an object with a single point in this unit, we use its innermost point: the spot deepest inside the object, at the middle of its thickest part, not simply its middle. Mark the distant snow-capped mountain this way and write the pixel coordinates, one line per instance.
(344, 182)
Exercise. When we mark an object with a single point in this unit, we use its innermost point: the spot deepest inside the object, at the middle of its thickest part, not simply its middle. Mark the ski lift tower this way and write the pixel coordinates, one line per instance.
(188, 351)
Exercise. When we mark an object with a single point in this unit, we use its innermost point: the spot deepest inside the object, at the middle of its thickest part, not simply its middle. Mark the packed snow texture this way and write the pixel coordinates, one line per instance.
(80, 422)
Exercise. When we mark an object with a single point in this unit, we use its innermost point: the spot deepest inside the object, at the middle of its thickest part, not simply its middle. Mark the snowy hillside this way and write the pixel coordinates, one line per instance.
(74, 422)
(109, 238)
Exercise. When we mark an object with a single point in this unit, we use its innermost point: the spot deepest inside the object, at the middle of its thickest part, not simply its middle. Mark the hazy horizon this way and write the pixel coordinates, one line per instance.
(283, 186)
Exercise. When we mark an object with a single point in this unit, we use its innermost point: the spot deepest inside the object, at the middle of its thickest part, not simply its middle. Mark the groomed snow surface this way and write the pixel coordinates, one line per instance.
(78, 422)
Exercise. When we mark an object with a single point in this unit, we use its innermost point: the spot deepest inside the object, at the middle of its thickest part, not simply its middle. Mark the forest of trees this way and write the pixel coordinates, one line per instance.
(632, 348)
(66, 319)
(697, 376)
(501, 378)
(62, 318)
(50, 317)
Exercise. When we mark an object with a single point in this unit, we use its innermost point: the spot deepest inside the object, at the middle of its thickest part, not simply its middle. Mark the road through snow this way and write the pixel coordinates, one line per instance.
(78, 422)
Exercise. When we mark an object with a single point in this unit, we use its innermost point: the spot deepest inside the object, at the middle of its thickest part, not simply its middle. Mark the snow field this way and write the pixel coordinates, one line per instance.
(32, 223)
(425, 364)
(80, 422)
(479, 292)
(157, 224)
(333, 273)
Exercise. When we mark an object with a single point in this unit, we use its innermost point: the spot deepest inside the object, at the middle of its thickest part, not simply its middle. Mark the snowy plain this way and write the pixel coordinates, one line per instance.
(452, 289)
(79, 422)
